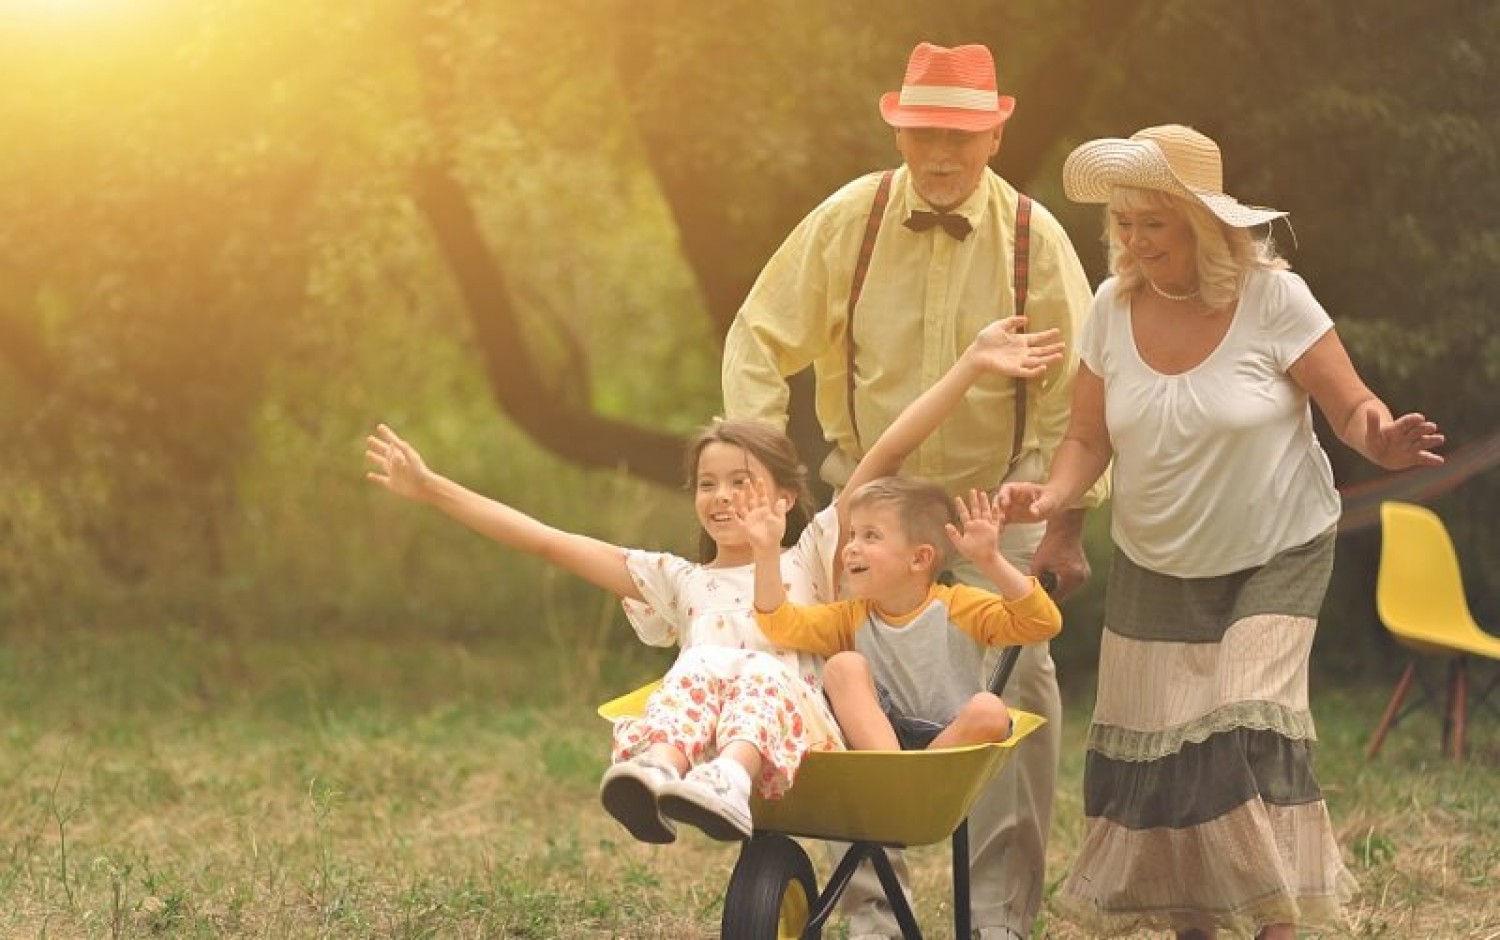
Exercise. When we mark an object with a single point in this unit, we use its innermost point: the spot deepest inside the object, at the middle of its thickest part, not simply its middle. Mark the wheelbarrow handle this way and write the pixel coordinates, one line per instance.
(1003, 669)
(1009, 655)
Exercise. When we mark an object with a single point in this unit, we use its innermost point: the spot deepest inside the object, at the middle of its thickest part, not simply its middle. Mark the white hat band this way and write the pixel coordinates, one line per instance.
(943, 96)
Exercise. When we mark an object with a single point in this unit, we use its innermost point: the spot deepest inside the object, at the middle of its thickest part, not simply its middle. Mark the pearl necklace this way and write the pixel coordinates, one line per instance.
(1190, 295)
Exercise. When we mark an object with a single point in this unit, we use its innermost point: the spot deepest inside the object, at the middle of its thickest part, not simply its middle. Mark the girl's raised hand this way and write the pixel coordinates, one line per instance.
(762, 518)
(395, 464)
(1002, 347)
(982, 522)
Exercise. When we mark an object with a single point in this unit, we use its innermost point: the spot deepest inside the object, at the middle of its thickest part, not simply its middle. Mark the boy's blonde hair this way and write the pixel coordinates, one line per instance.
(923, 510)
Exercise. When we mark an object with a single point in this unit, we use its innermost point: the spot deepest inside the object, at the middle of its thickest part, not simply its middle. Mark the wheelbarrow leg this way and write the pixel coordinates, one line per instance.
(961, 915)
(838, 881)
(893, 893)
(857, 853)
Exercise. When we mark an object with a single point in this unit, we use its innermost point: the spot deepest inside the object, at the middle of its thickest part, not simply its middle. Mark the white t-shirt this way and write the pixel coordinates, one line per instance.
(710, 614)
(712, 610)
(1216, 469)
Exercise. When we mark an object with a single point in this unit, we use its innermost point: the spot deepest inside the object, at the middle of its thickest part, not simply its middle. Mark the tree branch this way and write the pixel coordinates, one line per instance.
(579, 436)
(1056, 91)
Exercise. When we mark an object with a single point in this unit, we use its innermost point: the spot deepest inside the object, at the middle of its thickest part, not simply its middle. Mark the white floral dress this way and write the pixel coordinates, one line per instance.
(730, 683)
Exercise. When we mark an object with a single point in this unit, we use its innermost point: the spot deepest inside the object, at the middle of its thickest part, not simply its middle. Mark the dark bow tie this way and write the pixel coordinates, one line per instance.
(954, 224)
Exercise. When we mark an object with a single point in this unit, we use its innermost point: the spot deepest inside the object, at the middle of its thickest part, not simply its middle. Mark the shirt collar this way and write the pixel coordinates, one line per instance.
(972, 208)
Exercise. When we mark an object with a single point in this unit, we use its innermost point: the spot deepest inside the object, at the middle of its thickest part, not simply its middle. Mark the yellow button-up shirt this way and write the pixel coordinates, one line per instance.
(925, 297)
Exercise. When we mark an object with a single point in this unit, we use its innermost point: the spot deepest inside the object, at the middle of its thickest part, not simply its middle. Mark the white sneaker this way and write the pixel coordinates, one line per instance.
(628, 791)
(707, 800)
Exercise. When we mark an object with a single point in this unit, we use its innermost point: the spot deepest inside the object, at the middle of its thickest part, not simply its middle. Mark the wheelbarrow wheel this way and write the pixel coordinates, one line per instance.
(771, 891)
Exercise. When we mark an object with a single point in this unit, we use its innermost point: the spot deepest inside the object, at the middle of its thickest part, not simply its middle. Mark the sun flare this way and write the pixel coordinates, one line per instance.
(57, 7)
(61, 10)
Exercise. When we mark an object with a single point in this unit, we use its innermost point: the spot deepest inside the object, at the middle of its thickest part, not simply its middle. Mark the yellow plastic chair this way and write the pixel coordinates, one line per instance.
(1420, 597)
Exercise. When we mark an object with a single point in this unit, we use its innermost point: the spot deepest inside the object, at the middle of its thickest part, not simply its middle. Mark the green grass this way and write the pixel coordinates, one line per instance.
(180, 784)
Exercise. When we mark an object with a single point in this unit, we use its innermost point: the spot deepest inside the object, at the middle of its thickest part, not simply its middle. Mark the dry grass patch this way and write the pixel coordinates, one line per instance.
(188, 787)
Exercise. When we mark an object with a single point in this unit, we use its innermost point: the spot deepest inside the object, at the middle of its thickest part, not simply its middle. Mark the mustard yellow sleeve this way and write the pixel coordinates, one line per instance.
(796, 312)
(1058, 295)
(995, 621)
(821, 629)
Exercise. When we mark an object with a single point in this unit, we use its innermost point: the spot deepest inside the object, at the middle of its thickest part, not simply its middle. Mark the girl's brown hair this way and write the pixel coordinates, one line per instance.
(773, 449)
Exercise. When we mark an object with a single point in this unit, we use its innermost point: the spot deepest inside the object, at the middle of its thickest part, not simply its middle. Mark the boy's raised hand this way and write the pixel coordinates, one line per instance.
(395, 464)
(982, 520)
(1002, 347)
(762, 517)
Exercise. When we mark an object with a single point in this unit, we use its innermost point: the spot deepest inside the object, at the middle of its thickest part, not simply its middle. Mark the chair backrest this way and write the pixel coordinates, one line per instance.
(1420, 590)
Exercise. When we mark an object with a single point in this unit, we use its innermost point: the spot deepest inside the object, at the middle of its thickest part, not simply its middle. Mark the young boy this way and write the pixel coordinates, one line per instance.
(905, 654)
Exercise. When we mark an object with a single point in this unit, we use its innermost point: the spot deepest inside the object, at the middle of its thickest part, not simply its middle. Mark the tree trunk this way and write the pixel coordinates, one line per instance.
(577, 435)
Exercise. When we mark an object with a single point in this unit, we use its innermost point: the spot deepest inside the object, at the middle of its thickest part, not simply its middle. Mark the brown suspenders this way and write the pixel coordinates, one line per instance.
(1020, 272)
(861, 268)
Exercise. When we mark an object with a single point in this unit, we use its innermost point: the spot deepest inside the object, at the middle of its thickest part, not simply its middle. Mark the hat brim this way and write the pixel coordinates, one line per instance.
(1093, 170)
(958, 119)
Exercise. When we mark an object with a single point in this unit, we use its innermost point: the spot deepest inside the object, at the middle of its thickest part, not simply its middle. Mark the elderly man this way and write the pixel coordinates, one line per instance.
(880, 289)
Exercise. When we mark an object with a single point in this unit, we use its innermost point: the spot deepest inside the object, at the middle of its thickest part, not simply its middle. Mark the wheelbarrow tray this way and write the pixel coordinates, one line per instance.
(899, 798)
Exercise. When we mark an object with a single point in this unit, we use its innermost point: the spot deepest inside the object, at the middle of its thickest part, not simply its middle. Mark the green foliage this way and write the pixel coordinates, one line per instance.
(165, 239)
(213, 280)
(1372, 123)
(217, 328)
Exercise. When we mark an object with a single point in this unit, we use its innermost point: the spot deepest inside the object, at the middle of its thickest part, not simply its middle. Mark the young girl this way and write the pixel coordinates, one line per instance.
(733, 708)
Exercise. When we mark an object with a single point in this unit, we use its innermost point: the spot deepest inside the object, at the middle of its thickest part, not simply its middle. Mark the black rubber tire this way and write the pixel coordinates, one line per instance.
(771, 891)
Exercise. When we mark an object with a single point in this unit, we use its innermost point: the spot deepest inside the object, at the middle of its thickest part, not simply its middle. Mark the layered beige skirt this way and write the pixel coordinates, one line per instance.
(1201, 804)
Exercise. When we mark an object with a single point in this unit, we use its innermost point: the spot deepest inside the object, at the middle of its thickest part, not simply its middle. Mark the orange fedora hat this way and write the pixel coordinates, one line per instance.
(952, 88)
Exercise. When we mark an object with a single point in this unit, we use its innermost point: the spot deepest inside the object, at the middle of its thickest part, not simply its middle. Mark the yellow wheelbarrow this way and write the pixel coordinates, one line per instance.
(869, 799)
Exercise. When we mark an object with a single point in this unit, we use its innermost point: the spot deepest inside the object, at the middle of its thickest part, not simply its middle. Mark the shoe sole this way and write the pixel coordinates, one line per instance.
(633, 805)
(683, 808)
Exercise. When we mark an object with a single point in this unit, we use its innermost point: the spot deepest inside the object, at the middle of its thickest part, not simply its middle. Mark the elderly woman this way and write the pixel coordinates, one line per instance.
(1199, 361)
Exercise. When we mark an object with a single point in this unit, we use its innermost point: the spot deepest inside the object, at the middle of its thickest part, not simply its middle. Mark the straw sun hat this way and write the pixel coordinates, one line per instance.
(1171, 158)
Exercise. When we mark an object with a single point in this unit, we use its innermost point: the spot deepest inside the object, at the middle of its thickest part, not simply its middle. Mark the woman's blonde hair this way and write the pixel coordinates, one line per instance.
(1224, 253)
